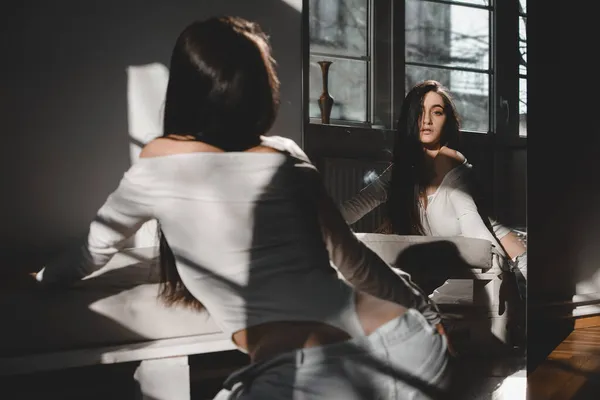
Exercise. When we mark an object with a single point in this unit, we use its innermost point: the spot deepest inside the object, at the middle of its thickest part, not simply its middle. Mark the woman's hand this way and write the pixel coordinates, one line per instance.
(19, 281)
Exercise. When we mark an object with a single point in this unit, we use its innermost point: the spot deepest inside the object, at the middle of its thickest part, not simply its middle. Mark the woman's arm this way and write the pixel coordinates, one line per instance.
(361, 266)
(123, 213)
(471, 222)
(499, 230)
(367, 199)
(511, 243)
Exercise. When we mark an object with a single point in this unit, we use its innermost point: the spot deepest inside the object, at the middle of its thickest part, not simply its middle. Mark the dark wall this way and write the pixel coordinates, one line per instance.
(510, 186)
(63, 102)
(563, 182)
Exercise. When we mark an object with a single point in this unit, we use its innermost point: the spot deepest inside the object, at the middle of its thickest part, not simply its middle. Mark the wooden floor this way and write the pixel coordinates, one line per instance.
(572, 370)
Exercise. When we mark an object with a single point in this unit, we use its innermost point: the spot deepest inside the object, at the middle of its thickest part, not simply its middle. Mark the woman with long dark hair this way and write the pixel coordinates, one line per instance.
(430, 189)
(247, 232)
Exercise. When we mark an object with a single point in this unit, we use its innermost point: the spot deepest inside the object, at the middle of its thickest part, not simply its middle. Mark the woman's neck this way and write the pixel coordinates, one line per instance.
(431, 152)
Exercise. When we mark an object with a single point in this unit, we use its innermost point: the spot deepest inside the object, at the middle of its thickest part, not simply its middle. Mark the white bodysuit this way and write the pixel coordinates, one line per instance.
(450, 211)
(245, 231)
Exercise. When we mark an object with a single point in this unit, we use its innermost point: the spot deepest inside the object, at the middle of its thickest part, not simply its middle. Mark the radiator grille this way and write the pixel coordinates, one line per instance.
(346, 177)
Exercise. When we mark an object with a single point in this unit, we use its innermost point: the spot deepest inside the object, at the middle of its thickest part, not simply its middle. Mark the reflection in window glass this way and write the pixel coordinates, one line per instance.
(338, 27)
(449, 35)
(523, 68)
(476, 2)
(523, 107)
(347, 85)
(469, 90)
(523, 45)
(523, 6)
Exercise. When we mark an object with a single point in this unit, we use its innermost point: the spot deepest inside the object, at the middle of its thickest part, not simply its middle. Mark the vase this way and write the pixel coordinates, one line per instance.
(325, 100)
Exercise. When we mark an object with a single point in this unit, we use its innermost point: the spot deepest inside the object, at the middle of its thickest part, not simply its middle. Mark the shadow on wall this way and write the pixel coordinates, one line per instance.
(58, 319)
(117, 305)
(64, 108)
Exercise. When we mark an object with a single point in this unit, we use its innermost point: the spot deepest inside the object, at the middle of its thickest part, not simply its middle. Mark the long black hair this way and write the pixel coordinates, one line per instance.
(409, 172)
(223, 90)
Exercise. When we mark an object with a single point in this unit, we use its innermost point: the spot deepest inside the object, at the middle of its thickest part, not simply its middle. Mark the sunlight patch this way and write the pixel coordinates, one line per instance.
(514, 387)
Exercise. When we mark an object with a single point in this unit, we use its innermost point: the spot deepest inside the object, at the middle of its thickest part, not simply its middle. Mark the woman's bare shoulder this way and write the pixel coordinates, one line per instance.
(163, 146)
(176, 144)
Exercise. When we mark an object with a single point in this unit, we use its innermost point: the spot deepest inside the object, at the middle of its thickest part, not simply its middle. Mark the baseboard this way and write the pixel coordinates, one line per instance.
(586, 310)
(582, 306)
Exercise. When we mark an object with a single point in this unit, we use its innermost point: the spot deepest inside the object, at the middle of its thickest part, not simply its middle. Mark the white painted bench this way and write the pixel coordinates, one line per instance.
(114, 316)
(111, 317)
(469, 299)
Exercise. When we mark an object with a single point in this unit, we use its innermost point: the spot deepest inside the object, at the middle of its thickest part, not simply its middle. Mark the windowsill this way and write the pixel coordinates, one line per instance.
(346, 124)
(350, 141)
(337, 124)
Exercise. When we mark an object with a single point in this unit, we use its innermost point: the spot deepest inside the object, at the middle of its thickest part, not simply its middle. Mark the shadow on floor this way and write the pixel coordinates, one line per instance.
(115, 381)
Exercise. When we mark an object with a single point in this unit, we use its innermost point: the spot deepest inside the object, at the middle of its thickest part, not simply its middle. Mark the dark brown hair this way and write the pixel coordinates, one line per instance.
(222, 90)
(409, 175)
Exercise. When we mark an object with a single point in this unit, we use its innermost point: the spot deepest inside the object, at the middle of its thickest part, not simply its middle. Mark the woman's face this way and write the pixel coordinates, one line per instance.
(432, 119)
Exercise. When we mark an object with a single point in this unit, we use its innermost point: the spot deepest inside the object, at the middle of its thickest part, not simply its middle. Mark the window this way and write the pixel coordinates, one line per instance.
(451, 44)
(381, 48)
(470, 46)
(523, 68)
(340, 32)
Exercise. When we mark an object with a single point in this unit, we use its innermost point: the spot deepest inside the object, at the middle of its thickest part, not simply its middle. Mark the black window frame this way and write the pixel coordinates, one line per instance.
(386, 70)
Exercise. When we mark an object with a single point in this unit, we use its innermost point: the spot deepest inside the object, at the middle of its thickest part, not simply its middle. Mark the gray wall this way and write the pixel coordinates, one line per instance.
(63, 103)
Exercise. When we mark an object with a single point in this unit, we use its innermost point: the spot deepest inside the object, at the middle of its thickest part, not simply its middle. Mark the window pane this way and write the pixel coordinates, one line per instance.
(338, 27)
(447, 35)
(523, 107)
(347, 86)
(476, 2)
(470, 91)
(523, 45)
(523, 6)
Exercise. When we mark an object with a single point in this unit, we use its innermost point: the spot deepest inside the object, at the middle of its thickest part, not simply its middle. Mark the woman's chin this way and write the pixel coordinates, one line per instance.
(430, 142)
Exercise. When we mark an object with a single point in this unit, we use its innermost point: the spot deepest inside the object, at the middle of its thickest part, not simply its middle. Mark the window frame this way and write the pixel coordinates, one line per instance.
(386, 70)
(378, 61)
(500, 144)
(505, 41)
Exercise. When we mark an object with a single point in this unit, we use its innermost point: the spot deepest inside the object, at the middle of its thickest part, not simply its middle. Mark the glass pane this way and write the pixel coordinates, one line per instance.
(523, 6)
(523, 45)
(470, 91)
(476, 2)
(347, 85)
(447, 35)
(523, 107)
(338, 27)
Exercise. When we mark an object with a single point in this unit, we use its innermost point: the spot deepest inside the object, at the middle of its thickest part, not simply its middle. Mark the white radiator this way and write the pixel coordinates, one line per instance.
(345, 177)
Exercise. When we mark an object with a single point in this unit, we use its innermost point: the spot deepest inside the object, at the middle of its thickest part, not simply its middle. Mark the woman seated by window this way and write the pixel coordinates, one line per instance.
(429, 188)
